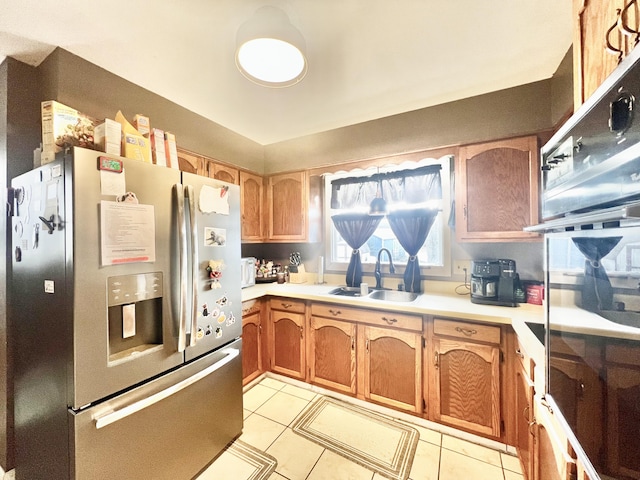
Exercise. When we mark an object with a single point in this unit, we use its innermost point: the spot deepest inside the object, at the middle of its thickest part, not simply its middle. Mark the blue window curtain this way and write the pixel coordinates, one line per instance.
(355, 229)
(406, 192)
(411, 228)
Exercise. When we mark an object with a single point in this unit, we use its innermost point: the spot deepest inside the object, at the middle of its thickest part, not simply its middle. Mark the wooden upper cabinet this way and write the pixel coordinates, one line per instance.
(251, 207)
(497, 190)
(190, 162)
(221, 172)
(598, 22)
(288, 201)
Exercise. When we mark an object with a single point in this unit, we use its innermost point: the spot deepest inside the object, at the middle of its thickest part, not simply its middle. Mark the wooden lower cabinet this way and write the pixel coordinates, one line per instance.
(332, 354)
(464, 383)
(381, 364)
(550, 463)
(252, 351)
(525, 420)
(392, 367)
(287, 351)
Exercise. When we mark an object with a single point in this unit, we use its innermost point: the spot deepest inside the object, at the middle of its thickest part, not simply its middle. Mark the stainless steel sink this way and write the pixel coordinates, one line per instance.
(346, 291)
(393, 296)
(387, 295)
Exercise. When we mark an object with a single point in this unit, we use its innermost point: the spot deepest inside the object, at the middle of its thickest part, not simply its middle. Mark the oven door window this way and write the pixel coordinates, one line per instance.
(593, 354)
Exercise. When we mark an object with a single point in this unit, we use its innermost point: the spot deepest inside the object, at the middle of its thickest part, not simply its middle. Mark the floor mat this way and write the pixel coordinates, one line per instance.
(241, 461)
(364, 437)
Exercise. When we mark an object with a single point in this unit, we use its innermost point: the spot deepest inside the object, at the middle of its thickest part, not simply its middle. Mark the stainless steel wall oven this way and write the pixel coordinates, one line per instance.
(591, 209)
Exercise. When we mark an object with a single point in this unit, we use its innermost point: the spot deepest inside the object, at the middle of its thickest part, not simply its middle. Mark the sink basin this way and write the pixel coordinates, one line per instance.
(393, 296)
(346, 291)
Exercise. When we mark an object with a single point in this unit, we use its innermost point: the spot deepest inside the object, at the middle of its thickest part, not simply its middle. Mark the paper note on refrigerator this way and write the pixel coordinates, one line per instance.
(127, 233)
(214, 200)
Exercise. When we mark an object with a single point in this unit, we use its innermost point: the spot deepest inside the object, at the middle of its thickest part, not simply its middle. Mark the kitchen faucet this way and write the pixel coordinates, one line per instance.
(377, 272)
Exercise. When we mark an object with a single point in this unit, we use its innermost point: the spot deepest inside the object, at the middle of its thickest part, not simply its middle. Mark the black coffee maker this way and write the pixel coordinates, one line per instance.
(494, 282)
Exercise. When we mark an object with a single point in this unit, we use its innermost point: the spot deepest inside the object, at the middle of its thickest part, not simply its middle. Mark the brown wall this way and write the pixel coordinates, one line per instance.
(96, 92)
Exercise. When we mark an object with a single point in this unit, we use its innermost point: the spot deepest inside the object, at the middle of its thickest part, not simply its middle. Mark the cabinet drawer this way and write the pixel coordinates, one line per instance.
(250, 306)
(468, 331)
(287, 305)
(373, 317)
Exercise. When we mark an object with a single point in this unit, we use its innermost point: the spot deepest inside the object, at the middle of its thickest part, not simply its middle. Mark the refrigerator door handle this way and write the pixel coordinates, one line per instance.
(113, 416)
(193, 237)
(181, 228)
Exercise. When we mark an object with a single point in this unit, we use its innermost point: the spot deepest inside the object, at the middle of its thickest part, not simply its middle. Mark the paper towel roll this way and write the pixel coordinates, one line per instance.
(320, 269)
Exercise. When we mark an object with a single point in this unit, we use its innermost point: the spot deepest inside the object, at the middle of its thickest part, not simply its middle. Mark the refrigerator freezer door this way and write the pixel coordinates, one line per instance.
(170, 428)
(215, 244)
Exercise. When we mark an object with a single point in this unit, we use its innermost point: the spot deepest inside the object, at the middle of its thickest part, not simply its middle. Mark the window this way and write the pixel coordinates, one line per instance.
(426, 183)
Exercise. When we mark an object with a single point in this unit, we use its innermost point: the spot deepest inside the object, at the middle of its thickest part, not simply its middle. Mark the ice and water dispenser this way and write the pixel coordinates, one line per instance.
(135, 314)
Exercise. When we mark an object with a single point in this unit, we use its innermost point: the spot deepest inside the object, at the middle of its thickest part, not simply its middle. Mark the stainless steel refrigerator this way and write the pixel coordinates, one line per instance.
(126, 319)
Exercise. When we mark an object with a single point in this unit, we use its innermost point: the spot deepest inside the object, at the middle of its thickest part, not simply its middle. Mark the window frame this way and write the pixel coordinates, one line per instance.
(446, 173)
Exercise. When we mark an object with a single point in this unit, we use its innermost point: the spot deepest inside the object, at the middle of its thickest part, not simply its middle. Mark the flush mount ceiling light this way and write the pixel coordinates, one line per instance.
(269, 50)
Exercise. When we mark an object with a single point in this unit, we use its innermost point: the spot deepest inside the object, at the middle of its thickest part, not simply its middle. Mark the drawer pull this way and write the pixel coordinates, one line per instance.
(389, 321)
(469, 332)
(286, 305)
(335, 313)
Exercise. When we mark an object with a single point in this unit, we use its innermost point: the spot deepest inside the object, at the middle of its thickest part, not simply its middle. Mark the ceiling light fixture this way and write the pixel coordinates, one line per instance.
(269, 50)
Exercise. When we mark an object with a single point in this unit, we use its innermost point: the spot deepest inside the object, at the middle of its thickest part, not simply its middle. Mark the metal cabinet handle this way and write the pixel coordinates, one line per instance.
(286, 305)
(466, 331)
(531, 425)
(353, 343)
(389, 321)
(335, 313)
(626, 29)
(609, 46)
(519, 353)
(525, 412)
(301, 332)
(367, 345)
(436, 360)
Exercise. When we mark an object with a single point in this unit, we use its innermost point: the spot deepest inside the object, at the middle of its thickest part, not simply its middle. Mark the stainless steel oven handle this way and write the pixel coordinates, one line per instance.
(193, 238)
(112, 417)
(182, 274)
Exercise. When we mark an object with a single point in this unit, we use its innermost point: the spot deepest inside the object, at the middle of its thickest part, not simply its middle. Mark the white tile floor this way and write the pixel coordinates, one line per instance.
(271, 406)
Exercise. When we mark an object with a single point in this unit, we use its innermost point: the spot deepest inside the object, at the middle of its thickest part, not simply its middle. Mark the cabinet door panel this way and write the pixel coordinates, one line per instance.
(393, 368)
(287, 344)
(251, 201)
(467, 385)
(287, 196)
(332, 358)
(251, 348)
(497, 190)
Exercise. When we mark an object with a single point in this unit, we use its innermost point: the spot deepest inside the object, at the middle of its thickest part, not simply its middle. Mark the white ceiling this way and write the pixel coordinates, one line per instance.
(367, 58)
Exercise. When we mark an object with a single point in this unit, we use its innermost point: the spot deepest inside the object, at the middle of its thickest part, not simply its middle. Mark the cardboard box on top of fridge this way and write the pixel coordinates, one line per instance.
(64, 127)
(134, 145)
(157, 147)
(172, 150)
(141, 123)
(108, 136)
